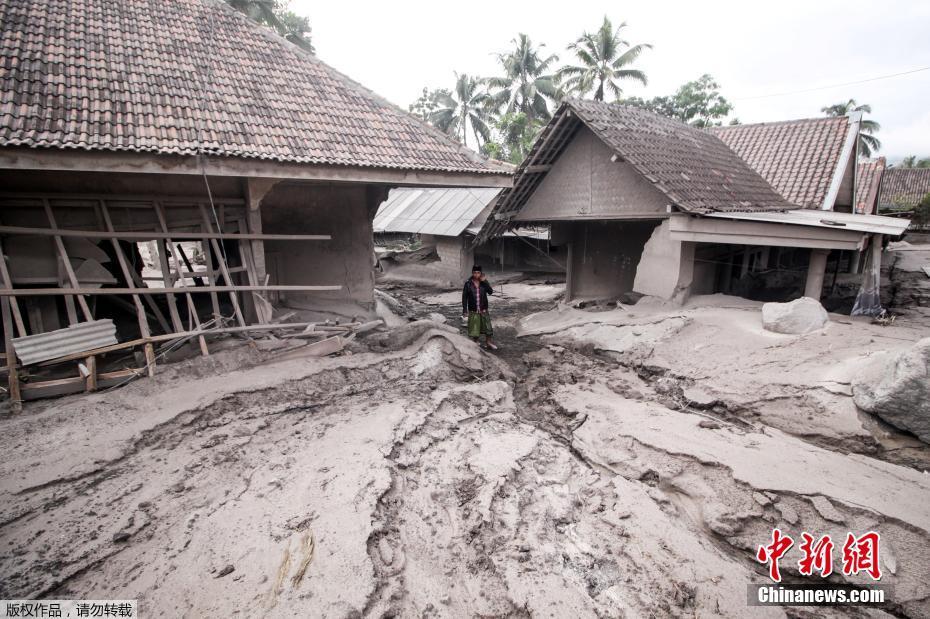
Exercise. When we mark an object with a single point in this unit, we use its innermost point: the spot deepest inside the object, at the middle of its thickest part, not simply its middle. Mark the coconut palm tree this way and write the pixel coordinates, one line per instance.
(868, 143)
(468, 106)
(526, 86)
(604, 58)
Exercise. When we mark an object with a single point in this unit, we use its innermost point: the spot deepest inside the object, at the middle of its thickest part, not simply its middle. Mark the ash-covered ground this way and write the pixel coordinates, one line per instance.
(607, 462)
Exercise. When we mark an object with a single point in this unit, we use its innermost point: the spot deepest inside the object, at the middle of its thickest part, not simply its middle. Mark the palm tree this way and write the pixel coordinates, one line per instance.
(604, 57)
(913, 162)
(526, 86)
(468, 106)
(868, 143)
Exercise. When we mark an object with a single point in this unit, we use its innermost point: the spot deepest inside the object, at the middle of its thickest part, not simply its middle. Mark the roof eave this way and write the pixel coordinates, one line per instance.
(21, 158)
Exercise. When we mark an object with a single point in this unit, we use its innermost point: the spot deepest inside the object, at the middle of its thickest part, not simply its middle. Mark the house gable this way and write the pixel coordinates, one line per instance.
(586, 183)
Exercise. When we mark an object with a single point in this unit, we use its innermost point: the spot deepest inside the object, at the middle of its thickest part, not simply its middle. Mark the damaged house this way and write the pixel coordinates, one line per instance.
(445, 222)
(649, 205)
(169, 168)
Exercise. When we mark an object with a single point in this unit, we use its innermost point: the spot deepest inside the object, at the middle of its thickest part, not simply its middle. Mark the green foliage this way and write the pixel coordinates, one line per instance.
(698, 103)
(603, 60)
(914, 162)
(276, 15)
(868, 143)
(921, 216)
(516, 132)
(428, 102)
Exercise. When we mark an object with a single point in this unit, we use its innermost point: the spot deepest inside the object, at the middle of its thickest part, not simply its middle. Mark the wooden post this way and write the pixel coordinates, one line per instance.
(16, 399)
(66, 263)
(191, 306)
(90, 381)
(221, 261)
(14, 306)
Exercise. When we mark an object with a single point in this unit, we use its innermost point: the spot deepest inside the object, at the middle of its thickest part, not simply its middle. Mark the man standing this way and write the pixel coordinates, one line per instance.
(475, 306)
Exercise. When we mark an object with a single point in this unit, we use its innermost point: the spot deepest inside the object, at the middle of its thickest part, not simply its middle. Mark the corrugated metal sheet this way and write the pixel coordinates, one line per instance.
(77, 338)
(444, 212)
(875, 224)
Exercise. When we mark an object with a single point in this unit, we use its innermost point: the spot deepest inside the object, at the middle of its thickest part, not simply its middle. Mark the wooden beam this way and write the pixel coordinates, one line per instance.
(144, 329)
(152, 236)
(52, 292)
(24, 158)
(537, 169)
(323, 332)
(221, 260)
(8, 283)
(16, 399)
(166, 269)
(66, 263)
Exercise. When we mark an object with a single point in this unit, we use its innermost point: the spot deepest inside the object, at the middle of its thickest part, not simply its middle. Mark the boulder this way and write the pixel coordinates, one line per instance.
(800, 316)
(897, 389)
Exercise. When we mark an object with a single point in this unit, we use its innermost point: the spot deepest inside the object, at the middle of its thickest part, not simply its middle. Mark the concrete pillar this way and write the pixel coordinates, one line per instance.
(815, 273)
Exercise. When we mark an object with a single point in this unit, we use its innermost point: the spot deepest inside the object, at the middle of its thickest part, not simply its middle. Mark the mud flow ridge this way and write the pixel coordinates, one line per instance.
(422, 476)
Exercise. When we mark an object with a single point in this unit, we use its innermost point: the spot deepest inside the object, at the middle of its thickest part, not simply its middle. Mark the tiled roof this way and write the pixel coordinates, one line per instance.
(868, 179)
(903, 187)
(694, 169)
(182, 77)
(798, 157)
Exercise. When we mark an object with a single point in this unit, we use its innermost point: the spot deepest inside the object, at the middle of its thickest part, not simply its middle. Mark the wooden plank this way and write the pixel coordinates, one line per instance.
(8, 283)
(75, 384)
(144, 329)
(155, 236)
(175, 336)
(16, 399)
(52, 292)
(221, 260)
(66, 262)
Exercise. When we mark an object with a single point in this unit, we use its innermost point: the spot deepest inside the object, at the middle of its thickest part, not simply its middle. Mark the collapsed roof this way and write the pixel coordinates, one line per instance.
(192, 77)
(695, 170)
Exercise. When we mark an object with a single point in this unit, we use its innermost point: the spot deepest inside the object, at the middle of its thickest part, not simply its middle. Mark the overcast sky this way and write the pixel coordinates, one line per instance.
(753, 49)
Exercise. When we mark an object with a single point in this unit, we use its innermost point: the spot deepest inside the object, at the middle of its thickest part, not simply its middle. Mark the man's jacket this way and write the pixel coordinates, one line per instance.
(475, 300)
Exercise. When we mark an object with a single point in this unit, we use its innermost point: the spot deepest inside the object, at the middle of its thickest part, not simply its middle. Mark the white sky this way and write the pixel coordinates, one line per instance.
(751, 48)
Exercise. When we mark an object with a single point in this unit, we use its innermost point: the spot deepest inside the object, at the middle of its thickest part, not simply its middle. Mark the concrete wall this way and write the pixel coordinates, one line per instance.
(603, 255)
(343, 211)
(585, 183)
(455, 258)
(666, 269)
